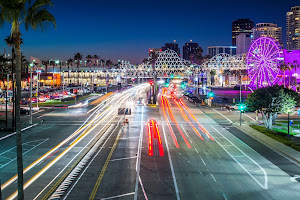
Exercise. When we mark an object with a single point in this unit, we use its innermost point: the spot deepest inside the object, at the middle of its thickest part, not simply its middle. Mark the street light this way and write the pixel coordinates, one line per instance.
(30, 103)
(288, 111)
(242, 108)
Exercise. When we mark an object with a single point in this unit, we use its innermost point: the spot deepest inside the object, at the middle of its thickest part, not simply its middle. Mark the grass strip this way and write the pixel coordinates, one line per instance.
(278, 136)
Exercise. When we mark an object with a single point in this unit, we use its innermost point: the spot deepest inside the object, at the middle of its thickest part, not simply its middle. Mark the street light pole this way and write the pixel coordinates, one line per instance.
(37, 94)
(30, 97)
(288, 123)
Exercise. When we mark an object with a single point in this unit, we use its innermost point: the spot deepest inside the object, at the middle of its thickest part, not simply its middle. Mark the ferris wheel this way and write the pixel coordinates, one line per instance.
(262, 61)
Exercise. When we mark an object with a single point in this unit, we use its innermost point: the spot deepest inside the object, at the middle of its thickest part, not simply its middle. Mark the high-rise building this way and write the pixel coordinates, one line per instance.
(214, 50)
(243, 43)
(190, 49)
(241, 26)
(172, 46)
(293, 29)
(268, 30)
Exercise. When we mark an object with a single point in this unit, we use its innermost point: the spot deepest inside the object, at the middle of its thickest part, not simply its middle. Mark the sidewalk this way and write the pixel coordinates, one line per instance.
(283, 149)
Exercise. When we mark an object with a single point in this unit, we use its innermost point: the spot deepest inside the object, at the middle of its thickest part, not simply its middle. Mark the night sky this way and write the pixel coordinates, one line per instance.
(118, 29)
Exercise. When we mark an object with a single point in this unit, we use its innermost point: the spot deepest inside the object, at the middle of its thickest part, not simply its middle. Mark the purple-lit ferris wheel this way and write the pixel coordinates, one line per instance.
(262, 61)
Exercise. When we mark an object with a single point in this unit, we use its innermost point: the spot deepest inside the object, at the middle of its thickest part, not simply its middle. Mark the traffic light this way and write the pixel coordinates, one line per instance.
(242, 107)
(167, 84)
(210, 95)
(151, 82)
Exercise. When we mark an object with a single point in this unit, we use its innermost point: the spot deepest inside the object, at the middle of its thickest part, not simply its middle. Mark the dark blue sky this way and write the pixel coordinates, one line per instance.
(118, 29)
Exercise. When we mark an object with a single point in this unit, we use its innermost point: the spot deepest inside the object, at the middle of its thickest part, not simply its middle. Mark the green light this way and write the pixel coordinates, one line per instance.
(167, 84)
(172, 76)
(210, 94)
(242, 107)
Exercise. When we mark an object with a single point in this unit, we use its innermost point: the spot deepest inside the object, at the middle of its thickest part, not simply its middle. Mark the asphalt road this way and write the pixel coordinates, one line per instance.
(204, 155)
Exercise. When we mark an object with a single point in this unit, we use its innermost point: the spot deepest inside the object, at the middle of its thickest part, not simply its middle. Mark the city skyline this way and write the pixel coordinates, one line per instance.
(112, 38)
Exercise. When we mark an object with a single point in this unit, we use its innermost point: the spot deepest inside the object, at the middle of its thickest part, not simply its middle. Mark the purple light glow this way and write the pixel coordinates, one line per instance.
(262, 61)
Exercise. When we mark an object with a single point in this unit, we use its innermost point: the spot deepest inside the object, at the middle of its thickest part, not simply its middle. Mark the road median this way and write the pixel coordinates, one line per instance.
(268, 141)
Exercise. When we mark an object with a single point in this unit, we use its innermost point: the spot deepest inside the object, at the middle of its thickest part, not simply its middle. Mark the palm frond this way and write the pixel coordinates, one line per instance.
(40, 19)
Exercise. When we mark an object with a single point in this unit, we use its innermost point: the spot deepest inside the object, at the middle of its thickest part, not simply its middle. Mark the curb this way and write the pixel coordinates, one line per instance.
(24, 129)
(274, 148)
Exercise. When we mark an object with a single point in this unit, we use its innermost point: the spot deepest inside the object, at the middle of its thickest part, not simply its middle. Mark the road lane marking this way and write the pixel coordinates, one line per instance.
(128, 137)
(90, 163)
(171, 165)
(142, 186)
(249, 117)
(24, 148)
(104, 167)
(118, 196)
(138, 160)
(265, 186)
(37, 112)
(196, 150)
(212, 177)
(202, 161)
(117, 159)
(37, 175)
(223, 116)
(24, 129)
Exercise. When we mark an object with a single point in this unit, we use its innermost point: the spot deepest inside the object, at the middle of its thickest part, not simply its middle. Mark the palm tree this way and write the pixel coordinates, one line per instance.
(102, 61)
(78, 58)
(45, 63)
(95, 58)
(69, 62)
(33, 14)
(290, 66)
(109, 63)
(283, 67)
(89, 60)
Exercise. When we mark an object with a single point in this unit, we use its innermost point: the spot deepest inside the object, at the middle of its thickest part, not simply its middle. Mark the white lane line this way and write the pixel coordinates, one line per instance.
(265, 186)
(36, 112)
(118, 196)
(15, 132)
(142, 186)
(89, 162)
(138, 160)
(122, 159)
(184, 131)
(212, 177)
(68, 164)
(223, 116)
(191, 141)
(25, 151)
(128, 137)
(171, 165)
(249, 117)
(203, 161)
(196, 150)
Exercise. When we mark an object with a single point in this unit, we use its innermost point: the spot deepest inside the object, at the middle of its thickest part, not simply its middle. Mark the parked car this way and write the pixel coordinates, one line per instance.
(227, 107)
(23, 111)
(194, 99)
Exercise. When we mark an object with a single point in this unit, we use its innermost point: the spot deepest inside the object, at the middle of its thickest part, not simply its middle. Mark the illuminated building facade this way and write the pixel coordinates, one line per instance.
(241, 26)
(214, 50)
(293, 28)
(268, 30)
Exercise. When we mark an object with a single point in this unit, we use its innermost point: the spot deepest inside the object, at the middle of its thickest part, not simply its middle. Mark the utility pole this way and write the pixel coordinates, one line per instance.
(6, 99)
(30, 97)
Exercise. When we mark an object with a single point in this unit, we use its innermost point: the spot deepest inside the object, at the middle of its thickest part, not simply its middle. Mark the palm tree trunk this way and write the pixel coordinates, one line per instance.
(17, 35)
(283, 78)
(289, 79)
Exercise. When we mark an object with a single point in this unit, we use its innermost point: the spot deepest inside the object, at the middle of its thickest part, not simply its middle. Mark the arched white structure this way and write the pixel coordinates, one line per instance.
(168, 64)
(225, 61)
